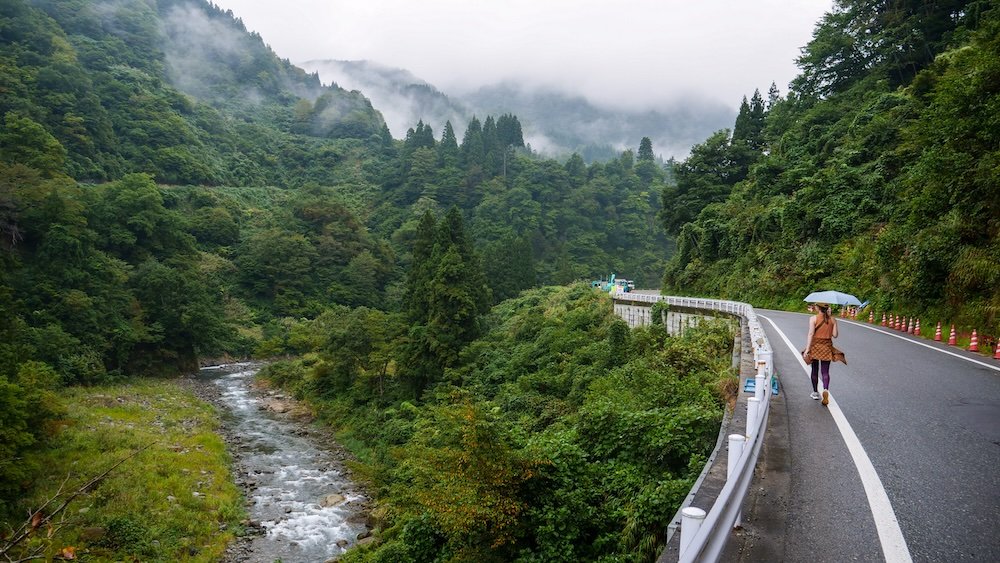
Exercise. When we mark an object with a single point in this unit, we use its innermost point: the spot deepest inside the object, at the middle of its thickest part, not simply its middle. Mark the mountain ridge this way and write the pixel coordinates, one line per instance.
(556, 123)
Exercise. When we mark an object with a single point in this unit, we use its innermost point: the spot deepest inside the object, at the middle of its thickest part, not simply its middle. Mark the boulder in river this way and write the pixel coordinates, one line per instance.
(332, 499)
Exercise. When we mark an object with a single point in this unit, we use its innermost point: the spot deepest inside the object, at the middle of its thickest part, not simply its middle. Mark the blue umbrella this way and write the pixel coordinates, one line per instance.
(832, 297)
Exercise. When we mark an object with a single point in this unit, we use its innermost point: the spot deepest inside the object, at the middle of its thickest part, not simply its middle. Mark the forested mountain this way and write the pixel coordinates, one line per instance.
(174, 88)
(171, 190)
(878, 174)
(557, 124)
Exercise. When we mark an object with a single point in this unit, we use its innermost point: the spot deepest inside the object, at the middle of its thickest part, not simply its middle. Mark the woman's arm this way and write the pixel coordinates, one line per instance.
(835, 330)
(809, 334)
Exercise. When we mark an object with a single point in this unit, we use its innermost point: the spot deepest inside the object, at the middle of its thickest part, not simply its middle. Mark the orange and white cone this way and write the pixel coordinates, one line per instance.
(974, 343)
(871, 317)
(909, 326)
(916, 328)
(996, 354)
(952, 339)
(937, 333)
(883, 319)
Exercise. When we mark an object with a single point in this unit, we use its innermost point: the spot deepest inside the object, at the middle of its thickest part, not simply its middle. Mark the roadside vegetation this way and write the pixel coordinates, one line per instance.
(558, 435)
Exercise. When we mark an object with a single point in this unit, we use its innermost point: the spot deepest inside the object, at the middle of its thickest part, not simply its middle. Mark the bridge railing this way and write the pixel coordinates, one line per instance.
(704, 534)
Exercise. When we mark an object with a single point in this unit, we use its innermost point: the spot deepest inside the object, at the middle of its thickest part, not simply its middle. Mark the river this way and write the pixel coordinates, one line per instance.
(300, 498)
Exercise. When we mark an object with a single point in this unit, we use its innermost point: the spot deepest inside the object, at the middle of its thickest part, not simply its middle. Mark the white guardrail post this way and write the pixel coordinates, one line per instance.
(736, 443)
(704, 535)
(691, 519)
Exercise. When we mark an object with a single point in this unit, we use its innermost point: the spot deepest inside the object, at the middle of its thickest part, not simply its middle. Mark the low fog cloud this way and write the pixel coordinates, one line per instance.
(634, 54)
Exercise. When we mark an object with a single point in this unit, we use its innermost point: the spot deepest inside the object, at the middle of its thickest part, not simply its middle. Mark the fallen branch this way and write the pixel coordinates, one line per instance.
(38, 518)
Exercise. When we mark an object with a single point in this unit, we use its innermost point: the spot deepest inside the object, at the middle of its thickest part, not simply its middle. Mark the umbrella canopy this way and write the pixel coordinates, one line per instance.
(832, 297)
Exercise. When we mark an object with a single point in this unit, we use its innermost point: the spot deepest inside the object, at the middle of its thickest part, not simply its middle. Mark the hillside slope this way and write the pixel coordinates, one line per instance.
(175, 88)
(877, 175)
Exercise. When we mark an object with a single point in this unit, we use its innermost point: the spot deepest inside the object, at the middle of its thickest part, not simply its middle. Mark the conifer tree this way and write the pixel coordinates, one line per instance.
(492, 151)
(421, 137)
(741, 130)
(448, 147)
(576, 168)
(446, 293)
(472, 145)
(646, 150)
(646, 167)
(509, 131)
(773, 96)
(756, 121)
(421, 269)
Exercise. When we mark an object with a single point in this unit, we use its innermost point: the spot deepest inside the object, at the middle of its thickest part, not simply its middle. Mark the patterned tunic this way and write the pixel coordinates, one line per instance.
(822, 343)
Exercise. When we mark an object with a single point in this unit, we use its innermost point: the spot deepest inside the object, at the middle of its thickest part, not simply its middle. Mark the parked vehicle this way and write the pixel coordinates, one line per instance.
(613, 284)
(625, 285)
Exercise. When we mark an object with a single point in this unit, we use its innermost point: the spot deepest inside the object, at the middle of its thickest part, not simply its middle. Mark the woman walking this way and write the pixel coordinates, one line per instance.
(819, 350)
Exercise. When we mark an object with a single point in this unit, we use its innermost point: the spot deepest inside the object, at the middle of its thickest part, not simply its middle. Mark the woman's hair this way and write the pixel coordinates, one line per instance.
(825, 309)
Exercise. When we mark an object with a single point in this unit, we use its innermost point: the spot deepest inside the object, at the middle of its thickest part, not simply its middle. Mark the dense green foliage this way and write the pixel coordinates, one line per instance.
(877, 174)
(558, 435)
(174, 88)
(171, 190)
(295, 201)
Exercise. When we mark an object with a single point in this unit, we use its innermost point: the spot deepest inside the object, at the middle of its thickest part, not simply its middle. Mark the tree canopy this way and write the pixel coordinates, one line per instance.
(876, 174)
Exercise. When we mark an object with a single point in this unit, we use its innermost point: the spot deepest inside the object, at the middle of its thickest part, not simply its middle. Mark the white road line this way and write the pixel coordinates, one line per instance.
(911, 341)
(890, 535)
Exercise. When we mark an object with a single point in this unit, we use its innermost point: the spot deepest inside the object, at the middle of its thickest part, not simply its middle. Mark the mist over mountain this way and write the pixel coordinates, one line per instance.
(402, 98)
(555, 123)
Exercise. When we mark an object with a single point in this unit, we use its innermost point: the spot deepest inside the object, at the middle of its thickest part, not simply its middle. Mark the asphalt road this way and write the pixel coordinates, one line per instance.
(928, 421)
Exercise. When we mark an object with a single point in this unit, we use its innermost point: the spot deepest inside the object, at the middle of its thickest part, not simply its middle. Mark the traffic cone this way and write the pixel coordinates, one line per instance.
(909, 326)
(902, 324)
(996, 355)
(937, 333)
(974, 343)
(883, 319)
(871, 317)
(952, 339)
(916, 329)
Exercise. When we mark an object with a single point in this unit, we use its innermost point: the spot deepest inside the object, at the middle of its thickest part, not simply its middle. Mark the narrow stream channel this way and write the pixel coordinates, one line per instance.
(297, 491)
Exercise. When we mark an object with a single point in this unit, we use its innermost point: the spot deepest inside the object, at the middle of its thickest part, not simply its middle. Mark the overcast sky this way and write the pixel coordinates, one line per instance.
(637, 54)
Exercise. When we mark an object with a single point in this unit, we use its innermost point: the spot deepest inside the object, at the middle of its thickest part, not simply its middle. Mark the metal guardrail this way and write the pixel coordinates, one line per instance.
(704, 535)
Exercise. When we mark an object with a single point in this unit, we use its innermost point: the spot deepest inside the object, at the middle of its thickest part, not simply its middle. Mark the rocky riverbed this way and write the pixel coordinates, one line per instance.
(302, 502)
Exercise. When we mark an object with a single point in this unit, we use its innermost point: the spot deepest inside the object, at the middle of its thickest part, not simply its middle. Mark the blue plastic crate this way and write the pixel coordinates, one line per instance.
(750, 386)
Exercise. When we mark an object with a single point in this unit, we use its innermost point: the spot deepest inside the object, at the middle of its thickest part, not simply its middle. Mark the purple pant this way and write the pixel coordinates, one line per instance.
(817, 366)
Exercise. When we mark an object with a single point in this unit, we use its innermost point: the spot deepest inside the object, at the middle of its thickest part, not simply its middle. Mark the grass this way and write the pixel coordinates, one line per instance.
(174, 501)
